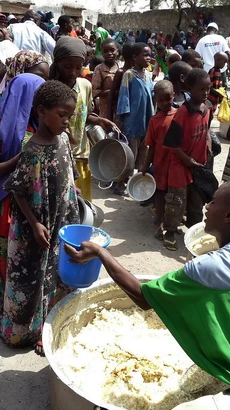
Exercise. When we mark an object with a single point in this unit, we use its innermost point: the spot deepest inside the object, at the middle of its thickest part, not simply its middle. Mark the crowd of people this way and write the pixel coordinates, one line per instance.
(53, 81)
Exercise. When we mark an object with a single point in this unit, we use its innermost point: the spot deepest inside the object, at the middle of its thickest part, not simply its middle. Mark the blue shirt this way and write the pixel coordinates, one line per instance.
(135, 105)
(212, 269)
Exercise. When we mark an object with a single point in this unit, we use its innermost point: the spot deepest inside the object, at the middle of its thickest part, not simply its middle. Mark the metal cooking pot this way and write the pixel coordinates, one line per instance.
(90, 214)
(95, 133)
(98, 214)
(111, 160)
(85, 211)
(64, 394)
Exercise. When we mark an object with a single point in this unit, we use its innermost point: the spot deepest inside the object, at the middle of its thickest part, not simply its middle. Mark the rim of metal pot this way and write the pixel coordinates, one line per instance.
(47, 335)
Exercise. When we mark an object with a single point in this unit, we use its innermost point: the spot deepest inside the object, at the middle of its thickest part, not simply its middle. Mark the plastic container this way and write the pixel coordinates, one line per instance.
(78, 275)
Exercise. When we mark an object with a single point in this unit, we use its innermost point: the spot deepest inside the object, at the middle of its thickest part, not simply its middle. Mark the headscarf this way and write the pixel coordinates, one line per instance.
(21, 62)
(67, 47)
(130, 37)
(180, 49)
(15, 110)
(142, 37)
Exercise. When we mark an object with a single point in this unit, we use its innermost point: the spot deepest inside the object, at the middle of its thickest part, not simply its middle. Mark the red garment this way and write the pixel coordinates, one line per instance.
(73, 34)
(188, 131)
(87, 74)
(157, 129)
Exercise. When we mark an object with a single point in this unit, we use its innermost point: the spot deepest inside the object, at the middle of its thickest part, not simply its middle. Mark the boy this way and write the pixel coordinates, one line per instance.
(135, 105)
(220, 60)
(157, 129)
(178, 73)
(161, 58)
(188, 140)
(192, 58)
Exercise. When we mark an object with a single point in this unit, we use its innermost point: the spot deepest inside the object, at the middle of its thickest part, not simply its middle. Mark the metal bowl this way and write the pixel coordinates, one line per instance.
(194, 233)
(141, 187)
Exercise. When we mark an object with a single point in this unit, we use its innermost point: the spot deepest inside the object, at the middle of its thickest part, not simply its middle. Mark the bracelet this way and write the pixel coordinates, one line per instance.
(100, 251)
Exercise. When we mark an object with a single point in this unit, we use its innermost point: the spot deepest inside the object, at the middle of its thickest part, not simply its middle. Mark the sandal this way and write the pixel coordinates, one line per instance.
(170, 245)
(39, 349)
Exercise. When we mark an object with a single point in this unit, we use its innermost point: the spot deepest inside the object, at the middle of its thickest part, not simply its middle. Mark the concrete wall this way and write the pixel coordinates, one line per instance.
(164, 20)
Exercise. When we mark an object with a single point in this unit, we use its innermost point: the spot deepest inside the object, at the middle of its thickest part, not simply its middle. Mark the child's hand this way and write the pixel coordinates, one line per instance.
(105, 123)
(41, 235)
(192, 163)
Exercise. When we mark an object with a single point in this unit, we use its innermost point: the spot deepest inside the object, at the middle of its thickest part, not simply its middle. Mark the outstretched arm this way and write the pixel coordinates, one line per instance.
(124, 279)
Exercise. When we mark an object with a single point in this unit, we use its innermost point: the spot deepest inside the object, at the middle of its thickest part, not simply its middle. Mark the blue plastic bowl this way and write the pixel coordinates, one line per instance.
(78, 275)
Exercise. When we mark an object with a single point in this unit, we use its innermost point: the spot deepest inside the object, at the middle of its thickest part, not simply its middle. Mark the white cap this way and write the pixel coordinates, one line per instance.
(214, 25)
(11, 17)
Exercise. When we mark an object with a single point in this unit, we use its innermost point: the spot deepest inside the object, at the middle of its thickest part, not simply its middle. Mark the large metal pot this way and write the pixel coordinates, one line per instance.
(111, 160)
(64, 394)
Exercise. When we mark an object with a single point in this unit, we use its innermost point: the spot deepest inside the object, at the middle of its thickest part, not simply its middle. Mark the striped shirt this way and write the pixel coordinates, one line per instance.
(216, 82)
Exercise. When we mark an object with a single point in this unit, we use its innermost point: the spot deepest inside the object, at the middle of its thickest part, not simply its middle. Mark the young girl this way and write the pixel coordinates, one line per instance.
(104, 74)
(45, 199)
(127, 54)
(69, 57)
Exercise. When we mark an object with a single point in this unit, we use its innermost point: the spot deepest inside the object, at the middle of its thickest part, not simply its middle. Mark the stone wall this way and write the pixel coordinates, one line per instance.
(164, 20)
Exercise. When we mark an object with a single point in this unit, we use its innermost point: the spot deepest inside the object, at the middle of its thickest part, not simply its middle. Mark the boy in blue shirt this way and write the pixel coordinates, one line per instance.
(135, 105)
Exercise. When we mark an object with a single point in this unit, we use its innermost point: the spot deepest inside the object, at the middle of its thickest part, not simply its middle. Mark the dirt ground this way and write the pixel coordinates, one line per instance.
(24, 377)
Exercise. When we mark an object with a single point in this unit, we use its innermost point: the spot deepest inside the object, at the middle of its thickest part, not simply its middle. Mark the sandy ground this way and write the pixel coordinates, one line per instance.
(24, 377)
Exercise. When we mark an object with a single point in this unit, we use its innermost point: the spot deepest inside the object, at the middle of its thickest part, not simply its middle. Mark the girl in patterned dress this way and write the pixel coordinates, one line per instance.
(45, 199)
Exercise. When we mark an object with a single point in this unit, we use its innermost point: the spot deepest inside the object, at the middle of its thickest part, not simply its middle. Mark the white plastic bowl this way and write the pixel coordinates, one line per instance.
(141, 187)
(194, 233)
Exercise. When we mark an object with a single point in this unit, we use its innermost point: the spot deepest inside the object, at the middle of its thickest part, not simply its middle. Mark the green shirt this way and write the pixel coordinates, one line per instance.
(197, 316)
(100, 35)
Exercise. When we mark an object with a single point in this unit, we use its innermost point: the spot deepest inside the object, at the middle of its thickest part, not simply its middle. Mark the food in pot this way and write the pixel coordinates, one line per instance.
(124, 357)
(205, 244)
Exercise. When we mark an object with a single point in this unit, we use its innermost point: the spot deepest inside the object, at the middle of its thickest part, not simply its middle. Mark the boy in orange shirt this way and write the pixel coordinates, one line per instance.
(157, 129)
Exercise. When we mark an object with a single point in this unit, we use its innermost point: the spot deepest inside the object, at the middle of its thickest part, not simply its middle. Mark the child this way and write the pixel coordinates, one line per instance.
(173, 58)
(161, 59)
(159, 157)
(69, 56)
(188, 139)
(220, 60)
(177, 75)
(192, 58)
(45, 199)
(65, 26)
(135, 105)
(95, 61)
(127, 54)
(86, 72)
(104, 74)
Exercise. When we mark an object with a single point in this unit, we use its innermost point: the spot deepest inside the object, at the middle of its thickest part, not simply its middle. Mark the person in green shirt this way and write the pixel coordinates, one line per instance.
(100, 34)
(193, 302)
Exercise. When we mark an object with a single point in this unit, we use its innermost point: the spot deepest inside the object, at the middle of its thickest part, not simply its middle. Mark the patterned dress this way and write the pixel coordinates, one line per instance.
(45, 176)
